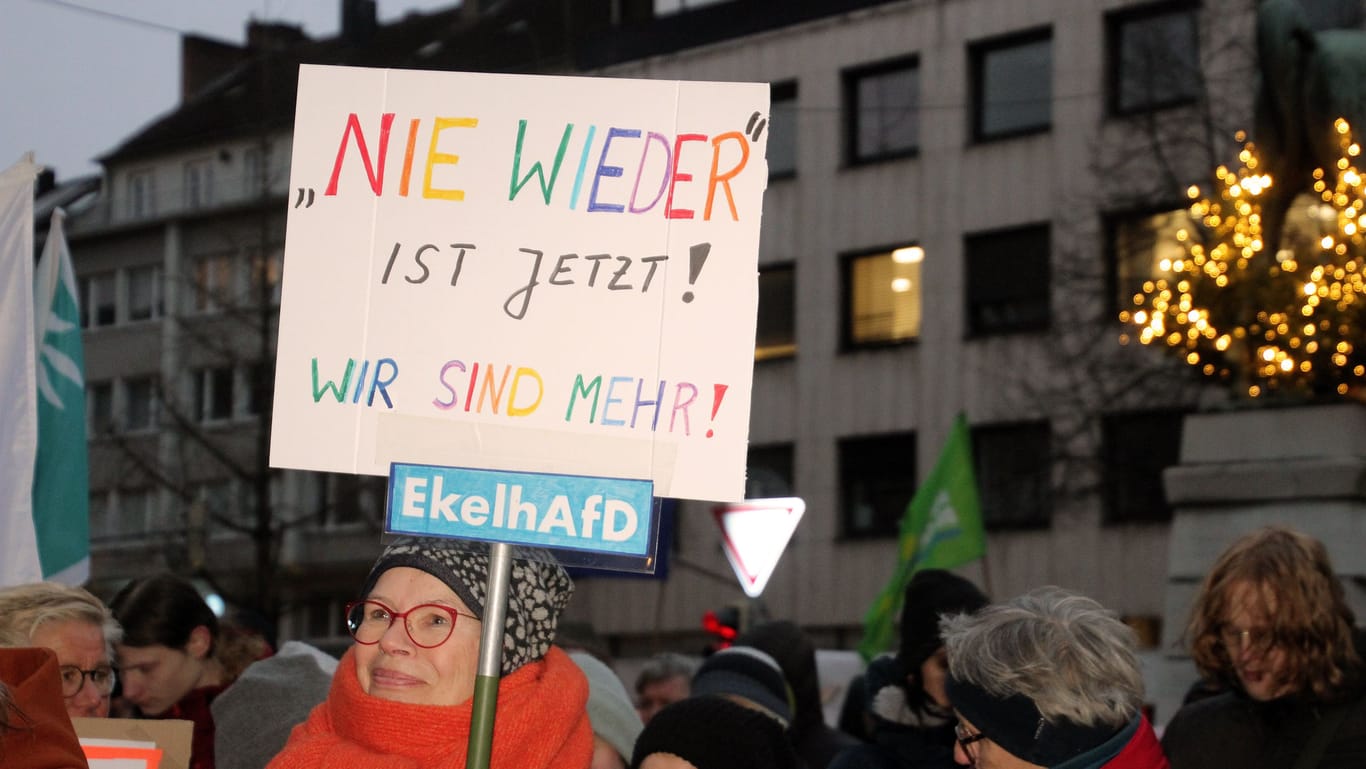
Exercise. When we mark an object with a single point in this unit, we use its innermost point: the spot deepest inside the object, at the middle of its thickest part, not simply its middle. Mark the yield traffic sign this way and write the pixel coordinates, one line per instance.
(754, 534)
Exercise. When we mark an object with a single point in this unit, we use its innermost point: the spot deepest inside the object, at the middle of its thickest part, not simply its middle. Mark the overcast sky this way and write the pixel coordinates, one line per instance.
(79, 76)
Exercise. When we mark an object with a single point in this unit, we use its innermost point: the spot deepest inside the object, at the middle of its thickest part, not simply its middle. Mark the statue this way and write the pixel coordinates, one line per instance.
(1308, 80)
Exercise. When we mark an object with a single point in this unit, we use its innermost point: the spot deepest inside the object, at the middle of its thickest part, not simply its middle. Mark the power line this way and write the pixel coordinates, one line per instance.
(115, 16)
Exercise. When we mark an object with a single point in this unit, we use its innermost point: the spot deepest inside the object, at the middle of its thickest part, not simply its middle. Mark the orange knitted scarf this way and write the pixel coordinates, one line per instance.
(541, 723)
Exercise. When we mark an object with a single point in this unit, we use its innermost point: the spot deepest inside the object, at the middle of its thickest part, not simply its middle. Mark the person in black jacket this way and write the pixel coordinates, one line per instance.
(816, 742)
(1272, 626)
(907, 697)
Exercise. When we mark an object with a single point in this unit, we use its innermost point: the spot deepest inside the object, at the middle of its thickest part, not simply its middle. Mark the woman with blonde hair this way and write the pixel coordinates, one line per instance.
(77, 627)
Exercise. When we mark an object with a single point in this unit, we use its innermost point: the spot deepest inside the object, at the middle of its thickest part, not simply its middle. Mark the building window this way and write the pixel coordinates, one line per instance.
(135, 511)
(1008, 280)
(259, 387)
(882, 296)
(145, 294)
(103, 523)
(782, 130)
(1012, 85)
(214, 282)
(882, 111)
(265, 275)
(253, 172)
(776, 335)
(213, 394)
(198, 183)
(1014, 469)
(1139, 245)
(140, 404)
(355, 499)
(768, 471)
(99, 301)
(99, 407)
(1135, 448)
(877, 481)
(141, 194)
(1153, 57)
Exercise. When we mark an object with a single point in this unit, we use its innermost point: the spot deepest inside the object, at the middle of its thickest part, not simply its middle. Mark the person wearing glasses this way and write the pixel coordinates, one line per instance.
(1048, 679)
(402, 696)
(1272, 627)
(176, 657)
(74, 624)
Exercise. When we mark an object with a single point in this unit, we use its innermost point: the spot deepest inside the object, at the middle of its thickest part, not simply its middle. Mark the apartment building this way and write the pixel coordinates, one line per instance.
(963, 196)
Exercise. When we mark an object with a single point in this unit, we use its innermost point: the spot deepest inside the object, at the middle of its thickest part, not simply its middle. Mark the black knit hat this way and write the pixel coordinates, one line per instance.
(931, 594)
(745, 671)
(712, 732)
(538, 588)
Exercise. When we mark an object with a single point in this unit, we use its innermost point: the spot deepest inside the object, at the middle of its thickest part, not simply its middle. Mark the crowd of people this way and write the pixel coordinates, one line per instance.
(1050, 678)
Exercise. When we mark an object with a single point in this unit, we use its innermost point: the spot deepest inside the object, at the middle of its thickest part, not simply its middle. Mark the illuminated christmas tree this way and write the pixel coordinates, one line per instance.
(1287, 320)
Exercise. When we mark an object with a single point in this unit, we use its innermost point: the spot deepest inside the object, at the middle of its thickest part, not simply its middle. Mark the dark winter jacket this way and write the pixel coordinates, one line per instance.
(816, 742)
(1233, 731)
(905, 735)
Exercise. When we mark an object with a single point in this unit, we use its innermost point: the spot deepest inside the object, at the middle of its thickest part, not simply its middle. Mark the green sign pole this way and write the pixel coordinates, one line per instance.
(490, 658)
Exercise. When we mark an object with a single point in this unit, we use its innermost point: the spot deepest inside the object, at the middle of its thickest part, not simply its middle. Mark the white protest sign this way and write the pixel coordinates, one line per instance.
(525, 273)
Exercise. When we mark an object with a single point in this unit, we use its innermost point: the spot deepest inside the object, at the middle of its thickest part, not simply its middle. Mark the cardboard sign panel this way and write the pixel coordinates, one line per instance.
(122, 742)
(523, 273)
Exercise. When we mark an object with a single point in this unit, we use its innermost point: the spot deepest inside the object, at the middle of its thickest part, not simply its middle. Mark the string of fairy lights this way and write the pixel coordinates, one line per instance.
(1291, 321)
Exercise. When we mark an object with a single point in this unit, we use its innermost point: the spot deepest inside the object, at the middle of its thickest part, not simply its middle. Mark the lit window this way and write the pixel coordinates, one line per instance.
(265, 275)
(213, 394)
(782, 130)
(877, 482)
(776, 335)
(883, 296)
(1012, 85)
(768, 471)
(1013, 466)
(1135, 449)
(141, 190)
(198, 183)
(882, 111)
(214, 282)
(1008, 280)
(140, 407)
(144, 293)
(1154, 57)
(1139, 244)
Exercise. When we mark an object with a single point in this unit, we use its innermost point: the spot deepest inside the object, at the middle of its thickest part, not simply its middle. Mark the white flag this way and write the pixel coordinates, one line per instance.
(18, 409)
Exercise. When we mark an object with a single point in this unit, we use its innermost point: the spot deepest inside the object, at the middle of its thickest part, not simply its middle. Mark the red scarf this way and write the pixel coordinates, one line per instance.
(541, 723)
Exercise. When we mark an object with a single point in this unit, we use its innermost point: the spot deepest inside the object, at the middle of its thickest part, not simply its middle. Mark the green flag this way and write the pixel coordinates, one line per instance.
(942, 528)
(61, 497)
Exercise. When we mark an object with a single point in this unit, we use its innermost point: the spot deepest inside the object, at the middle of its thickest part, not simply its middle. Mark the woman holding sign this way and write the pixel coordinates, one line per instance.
(402, 696)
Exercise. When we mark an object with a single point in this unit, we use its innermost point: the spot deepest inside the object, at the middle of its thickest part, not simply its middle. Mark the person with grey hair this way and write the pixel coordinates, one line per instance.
(1048, 679)
(75, 625)
(665, 679)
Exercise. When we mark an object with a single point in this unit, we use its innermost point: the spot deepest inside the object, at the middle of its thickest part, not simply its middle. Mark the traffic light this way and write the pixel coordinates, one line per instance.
(724, 625)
